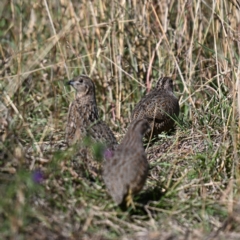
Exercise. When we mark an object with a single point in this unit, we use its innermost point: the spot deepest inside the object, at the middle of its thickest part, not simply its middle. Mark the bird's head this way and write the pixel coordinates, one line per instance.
(139, 126)
(165, 83)
(83, 85)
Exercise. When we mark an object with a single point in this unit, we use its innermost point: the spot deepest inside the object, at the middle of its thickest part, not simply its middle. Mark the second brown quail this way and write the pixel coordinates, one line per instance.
(126, 171)
(160, 106)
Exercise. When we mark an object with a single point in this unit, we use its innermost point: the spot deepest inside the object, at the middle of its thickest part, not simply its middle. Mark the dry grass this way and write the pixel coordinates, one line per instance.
(193, 187)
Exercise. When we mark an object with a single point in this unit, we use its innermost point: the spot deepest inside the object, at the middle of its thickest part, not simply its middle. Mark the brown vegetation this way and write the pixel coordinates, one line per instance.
(192, 191)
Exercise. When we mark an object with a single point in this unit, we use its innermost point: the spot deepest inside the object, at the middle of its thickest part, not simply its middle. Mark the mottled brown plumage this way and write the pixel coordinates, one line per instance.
(126, 171)
(83, 121)
(160, 106)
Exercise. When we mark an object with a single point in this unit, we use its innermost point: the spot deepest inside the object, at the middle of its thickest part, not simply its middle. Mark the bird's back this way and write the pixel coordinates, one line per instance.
(127, 169)
(158, 107)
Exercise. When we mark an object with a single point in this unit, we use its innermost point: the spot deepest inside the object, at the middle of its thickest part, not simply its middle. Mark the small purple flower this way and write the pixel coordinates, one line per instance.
(37, 176)
(108, 154)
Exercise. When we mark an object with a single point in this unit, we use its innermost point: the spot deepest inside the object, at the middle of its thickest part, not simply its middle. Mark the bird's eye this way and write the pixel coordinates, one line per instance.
(80, 81)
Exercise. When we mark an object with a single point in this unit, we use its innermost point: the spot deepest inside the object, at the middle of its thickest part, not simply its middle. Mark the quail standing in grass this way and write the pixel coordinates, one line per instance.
(126, 171)
(83, 119)
(160, 106)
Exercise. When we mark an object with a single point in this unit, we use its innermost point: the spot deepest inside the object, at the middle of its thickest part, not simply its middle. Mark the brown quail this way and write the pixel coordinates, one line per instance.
(160, 106)
(126, 171)
(83, 121)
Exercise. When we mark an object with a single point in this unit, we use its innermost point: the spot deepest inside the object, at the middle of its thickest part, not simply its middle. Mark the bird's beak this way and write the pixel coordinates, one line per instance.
(70, 82)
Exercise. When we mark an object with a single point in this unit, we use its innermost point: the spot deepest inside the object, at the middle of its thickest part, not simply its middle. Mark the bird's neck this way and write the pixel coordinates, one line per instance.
(132, 141)
(85, 98)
